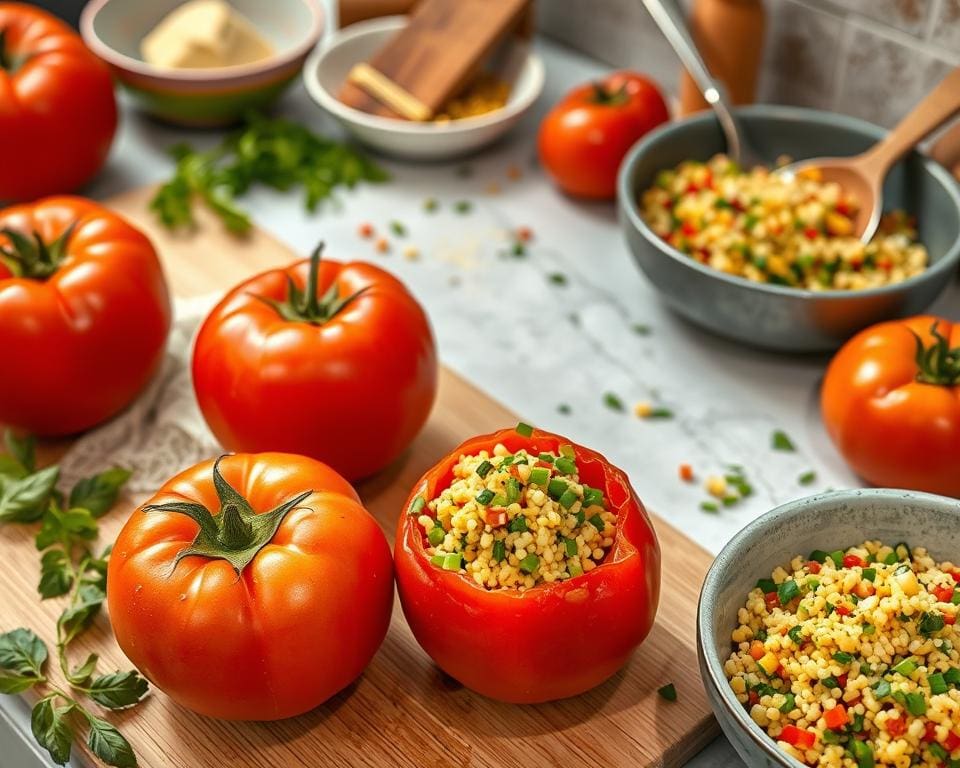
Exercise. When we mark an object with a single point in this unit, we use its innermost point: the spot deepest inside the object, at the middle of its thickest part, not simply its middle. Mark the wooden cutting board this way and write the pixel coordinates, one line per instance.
(403, 711)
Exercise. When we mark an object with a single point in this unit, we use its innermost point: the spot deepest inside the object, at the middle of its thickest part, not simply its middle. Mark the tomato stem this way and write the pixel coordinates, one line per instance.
(937, 363)
(32, 257)
(238, 533)
(305, 305)
(609, 97)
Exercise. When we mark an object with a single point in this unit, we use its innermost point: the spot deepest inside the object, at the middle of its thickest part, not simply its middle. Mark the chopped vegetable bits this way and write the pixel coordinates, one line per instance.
(517, 520)
(773, 229)
(849, 658)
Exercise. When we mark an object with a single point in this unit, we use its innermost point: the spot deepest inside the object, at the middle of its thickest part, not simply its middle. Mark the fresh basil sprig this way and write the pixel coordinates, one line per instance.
(68, 567)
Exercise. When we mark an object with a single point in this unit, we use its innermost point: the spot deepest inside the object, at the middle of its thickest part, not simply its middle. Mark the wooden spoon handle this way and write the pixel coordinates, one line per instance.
(947, 150)
(942, 103)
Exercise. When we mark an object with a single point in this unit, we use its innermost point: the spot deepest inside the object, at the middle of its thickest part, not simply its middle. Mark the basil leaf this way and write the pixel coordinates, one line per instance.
(75, 524)
(22, 449)
(55, 576)
(10, 467)
(107, 743)
(79, 676)
(16, 684)
(118, 690)
(24, 500)
(52, 730)
(99, 492)
(78, 617)
(22, 653)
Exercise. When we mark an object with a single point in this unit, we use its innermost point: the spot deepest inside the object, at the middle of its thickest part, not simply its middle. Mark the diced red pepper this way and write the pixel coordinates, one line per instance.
(813, 566)
(689, 228)
(885, 264)
(524, 234)
(955, 575)
(495, 516)
(896, 726)
(856, 264)
(771, 599)
(686, 473)
(754, 697)
(943, 594)
(842, 208)
(842, 680)
(948, 619)
(836, 718)
(853, 561)
(798, 737)
(952, 742)
(930, 732)
(757, 651)
(691, 187)
(811, 233)
(844, 610)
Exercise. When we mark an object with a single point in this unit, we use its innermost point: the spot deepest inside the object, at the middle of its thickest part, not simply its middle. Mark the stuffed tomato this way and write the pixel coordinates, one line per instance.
(251, 588)
(527, 567)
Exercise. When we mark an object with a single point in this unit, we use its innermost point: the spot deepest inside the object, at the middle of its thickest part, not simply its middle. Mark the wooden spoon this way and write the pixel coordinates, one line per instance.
(862, 176)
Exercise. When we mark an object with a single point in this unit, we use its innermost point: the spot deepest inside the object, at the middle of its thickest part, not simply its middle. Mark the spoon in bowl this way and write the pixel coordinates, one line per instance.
(668, 17)
(861, 176)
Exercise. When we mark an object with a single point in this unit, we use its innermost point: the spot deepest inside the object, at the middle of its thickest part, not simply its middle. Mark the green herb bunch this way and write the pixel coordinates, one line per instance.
(68, 568)
(277, 153)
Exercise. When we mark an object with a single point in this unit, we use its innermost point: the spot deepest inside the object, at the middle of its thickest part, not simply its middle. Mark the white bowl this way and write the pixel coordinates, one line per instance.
(326, 70)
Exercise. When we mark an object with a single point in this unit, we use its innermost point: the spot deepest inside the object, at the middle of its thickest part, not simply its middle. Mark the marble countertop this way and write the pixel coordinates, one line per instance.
(533, 344)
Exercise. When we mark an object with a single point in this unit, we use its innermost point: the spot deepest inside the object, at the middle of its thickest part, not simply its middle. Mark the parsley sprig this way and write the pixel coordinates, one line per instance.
(277, 153)
(68, 567)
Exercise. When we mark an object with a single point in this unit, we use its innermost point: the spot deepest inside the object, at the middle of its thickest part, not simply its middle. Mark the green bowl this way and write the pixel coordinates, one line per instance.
(113, 30)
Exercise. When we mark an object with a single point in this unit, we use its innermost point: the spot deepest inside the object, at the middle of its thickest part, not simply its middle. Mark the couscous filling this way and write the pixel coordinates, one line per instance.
(850, 658)
(516, 520)
(765, 227)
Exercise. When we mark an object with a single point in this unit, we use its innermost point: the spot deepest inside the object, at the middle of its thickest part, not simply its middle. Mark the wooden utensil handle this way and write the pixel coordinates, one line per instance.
(947, 150)
(352, 11)
(942, 103)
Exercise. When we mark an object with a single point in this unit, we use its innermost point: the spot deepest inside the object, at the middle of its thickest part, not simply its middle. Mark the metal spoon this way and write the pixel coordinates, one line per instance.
(861, 176)
(669, 18)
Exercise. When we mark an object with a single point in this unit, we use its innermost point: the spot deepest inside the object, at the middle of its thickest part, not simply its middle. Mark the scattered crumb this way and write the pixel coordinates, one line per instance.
(382, 245)
(642, 410)
(514, 173)
(492, 188)
(365, 230)
(686, 473)
(716, 486)
(411, 253)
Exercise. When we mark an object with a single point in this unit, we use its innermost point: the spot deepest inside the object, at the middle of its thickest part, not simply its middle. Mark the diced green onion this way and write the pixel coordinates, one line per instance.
(547, 457)
(813, 584)
(916, 704)
(831, 737)
(485, 468)
(787, 591)
(485, 496)
(597, 522)
(581, 516)
(709, 506)
(906, 667)
(843, 657)
(668, 692)
(937, 684)
(570, 545)
(870, 574)
(512, 490)
(881, 689)
(857, 725)
(452, 561)
(862, 753)
(436, 535)
(956, 597)
(499, 550)
(767, 585)
(789, 704)
(417, 505)
(830, 608)
(556, 488)
(529, 563)
(517, 525)
(592, 497)
(506, 461)
(830, 682)
(869, 629)
(567, 450)
(524, 429)
(568, 499)
(565, 465)
(807, 477)
(796, 634)
(540, 476)
(938, 750)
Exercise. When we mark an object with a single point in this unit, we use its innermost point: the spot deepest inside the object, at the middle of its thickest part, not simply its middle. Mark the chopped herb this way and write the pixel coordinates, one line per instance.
(499, 550)
(547, 457)
(398, 229)
(597, 522)
(524, 429)
(568, 499)
(862, 753)
(830, 682)
(869, 629)
(916, 704)
(668, 692)
(557, 278)
(789, 703)
(843, 657)
(564, 409)
(937, 684)
(869, 574)
(837, 557)
(613, 402)
(709, 506)
(930, 623)
(540, 476)
(518, 525)
(660, 413)
(570, 545)
(641, 329)
(781, 442)
(881, 689)
(906, 667)
(807, 477)
(567, 466)
(463, 206)
(796, 634)
(592, 496)
(787, 591)
(818, 556)
(485, 496)
(452, 561)
(512, 489)
(556, 488)
(430, 204)
(890, 559)
(529, 563)
(485, 468)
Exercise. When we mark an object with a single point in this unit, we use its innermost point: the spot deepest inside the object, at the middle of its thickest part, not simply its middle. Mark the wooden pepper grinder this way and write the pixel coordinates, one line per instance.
(730, 36)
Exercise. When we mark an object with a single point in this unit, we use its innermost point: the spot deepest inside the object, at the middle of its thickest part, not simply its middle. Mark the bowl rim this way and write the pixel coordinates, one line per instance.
(730, 557)
(323, 98)
(628, 204)
(199, 75)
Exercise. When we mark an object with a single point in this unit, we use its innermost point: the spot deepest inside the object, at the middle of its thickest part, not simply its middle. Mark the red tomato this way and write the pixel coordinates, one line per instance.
(345, 373)
(896, 726)
(593, 622)
(57, 108)
(585, 137)
(242, 619)
(84, 324)
(897, 423)
(852, 561)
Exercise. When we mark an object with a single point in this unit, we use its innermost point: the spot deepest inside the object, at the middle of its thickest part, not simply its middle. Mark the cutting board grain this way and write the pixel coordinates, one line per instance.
(402, 711)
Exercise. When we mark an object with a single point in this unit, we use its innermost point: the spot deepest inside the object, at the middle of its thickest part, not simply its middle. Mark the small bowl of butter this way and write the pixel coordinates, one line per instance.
(203, 62)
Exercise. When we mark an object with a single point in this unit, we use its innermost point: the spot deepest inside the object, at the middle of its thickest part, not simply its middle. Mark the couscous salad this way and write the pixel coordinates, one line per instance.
(792, 231)
(850, 658)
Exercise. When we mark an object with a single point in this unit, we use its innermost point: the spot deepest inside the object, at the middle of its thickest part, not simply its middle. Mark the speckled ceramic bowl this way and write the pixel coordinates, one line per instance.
(113, 29)
(772, 316)
(828, 521)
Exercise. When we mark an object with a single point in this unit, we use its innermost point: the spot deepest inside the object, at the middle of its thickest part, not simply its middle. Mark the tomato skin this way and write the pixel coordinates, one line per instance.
(58, 114)
(893, 430)
(301, 622)
(352, 392)
(79, 346)
(583, 140)
(502, 643)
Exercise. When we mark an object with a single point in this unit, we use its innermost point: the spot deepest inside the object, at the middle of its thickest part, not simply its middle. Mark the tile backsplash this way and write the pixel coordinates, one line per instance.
(870, 58)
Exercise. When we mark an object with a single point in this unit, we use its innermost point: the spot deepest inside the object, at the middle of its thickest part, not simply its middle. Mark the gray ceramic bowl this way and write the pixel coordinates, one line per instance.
(828, 521)
(771, 316)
